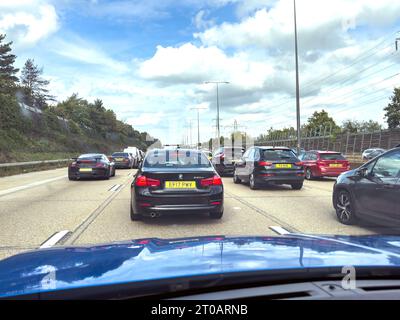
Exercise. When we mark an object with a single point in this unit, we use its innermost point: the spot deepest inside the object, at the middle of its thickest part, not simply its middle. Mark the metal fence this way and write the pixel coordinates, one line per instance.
(32, 163)
(346, 143)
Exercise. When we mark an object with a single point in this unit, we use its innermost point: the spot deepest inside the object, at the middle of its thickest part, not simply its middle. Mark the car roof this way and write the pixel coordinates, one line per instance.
(322, 151)
(176, 149)
(87, 155)
(273, 148)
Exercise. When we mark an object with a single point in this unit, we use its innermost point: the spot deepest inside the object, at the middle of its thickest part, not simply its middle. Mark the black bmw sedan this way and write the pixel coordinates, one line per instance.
(91, 165)
(371, 192)
(176, 181)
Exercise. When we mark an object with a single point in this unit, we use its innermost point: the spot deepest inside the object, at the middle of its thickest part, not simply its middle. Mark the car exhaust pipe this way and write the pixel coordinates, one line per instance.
(153, 215)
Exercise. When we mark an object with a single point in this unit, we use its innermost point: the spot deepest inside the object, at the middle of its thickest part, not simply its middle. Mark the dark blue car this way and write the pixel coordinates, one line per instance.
(294, 266)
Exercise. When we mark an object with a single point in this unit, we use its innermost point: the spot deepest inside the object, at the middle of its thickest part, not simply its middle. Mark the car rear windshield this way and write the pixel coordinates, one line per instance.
(120, 154)
(176, 159)
(331, 156)
(93, 157)
(275, 155)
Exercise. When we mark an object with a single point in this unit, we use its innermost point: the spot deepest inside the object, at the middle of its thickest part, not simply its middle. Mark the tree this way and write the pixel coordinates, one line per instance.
(392, 114)
(370, 126)
(8, 80)
(34, 85)
(320, 122)
(354, 126)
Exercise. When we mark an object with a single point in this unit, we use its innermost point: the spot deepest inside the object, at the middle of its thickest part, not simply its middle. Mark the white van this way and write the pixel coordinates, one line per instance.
(135, 155)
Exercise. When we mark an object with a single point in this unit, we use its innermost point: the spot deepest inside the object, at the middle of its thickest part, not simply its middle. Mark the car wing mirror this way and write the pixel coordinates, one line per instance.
(363, 172)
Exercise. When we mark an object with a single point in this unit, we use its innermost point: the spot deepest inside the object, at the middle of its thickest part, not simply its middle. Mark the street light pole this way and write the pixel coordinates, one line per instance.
(198, 128)
(297, 80)
(198, 124)
(218, 125)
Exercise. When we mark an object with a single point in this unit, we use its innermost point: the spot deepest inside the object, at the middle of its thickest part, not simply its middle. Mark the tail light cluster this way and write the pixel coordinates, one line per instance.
(265, 164)
(214, 181)
(143, 181)
(100, 165)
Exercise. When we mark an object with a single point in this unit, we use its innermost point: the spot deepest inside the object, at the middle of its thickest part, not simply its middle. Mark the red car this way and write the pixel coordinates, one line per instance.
(318, 164)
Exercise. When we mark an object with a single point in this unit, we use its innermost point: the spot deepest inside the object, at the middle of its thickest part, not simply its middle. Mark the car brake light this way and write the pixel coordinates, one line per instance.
(222, 156)
(100, 165)
(215, 203)
(299, 163)
(143, 181)
(214, 181)
(265, 164)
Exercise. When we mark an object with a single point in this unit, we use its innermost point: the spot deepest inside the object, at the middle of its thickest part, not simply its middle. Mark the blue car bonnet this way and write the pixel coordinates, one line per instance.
(149, 259)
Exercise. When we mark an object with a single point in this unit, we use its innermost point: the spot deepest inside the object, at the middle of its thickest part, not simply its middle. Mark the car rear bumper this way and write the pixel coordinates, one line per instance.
(178, 209)
(331, 173)
(95, 173)
(224, 168)
(122, 165)
(292, 179)
(145, 203)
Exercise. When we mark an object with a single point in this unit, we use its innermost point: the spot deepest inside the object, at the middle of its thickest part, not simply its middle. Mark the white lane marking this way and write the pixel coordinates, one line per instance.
(279, 230)
(237, 208)
(54, 239)
(30, 185)
(115, 187)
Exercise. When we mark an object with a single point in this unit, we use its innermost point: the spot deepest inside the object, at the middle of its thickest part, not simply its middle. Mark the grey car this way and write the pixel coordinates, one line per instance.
(372, 153)
(371, 192)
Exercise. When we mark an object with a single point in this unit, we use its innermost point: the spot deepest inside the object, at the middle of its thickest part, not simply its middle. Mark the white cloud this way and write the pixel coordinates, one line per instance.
(320, 24)
(201, 22)
(190, 64)
(28, 21)
(87, 53)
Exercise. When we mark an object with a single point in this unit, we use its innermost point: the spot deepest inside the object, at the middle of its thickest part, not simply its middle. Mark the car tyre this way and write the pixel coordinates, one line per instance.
(252, 182)
(309, 174)
(297, 186)
(71, 177)
(108, 174)
(344, 208)
(236, 179)
(134, 216)
(216, 215)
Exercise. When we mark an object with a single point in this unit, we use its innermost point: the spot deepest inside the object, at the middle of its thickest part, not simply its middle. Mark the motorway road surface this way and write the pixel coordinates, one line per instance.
(45, 209)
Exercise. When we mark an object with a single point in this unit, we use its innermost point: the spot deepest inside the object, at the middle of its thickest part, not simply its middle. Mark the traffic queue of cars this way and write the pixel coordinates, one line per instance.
(180, 181)
(97, 165)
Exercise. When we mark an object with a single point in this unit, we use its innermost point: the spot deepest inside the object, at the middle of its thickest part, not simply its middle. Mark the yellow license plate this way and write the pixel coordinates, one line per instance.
(180, 184)
(85, 170)
(335, 165)
(283, 166)
(119, 159)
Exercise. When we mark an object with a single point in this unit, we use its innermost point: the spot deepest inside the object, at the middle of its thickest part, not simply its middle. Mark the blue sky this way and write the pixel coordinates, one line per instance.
(148, 60)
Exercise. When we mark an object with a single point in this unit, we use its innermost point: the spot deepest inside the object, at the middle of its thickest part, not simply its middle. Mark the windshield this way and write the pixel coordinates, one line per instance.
(278, 155)
(200, 119)
(176, 159)
(331, 156)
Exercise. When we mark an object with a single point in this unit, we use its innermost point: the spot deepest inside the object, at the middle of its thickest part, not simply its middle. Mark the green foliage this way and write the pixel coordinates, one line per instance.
(35, 87)
(392, 114)
(354, 126)
(319, 123)
(8, 80)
